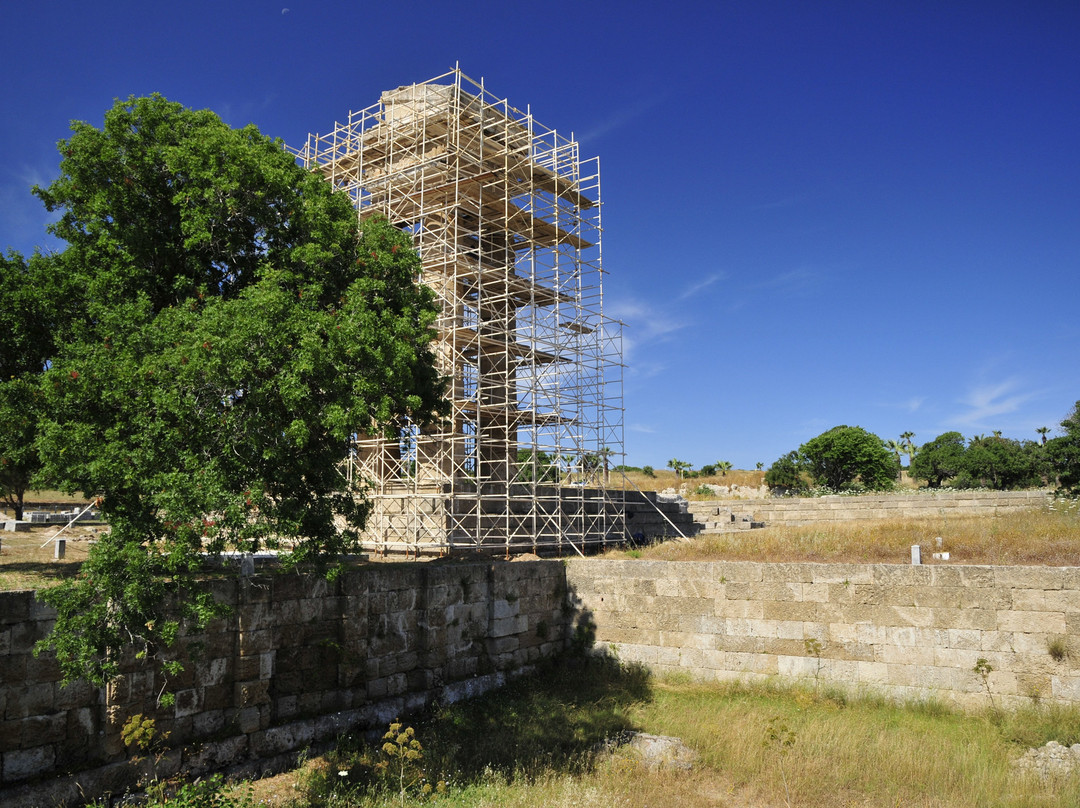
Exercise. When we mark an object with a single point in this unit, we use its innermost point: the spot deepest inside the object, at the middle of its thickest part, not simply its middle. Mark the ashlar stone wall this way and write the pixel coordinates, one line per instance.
(912, 631)
(944, 503)
(298, 661)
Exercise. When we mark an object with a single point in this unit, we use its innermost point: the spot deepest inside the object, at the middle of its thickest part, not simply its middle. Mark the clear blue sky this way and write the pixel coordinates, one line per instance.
(815, 213)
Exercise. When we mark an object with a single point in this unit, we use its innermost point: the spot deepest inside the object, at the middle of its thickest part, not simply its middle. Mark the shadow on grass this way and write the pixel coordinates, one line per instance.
(33, 574)
(555, 720)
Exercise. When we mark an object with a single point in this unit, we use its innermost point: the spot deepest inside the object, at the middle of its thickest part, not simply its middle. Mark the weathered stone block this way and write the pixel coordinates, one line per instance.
(982, 619)
(1017, 577)
(21, 764)
(251, 694)
(256, 642)
(29, 701)
(1031, 622)
(188, 702)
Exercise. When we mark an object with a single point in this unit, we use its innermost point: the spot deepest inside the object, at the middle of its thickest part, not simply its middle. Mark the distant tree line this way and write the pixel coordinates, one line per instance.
(849, 457)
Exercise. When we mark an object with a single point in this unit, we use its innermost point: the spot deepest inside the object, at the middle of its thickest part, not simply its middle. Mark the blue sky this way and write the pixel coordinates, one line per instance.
(815, 213)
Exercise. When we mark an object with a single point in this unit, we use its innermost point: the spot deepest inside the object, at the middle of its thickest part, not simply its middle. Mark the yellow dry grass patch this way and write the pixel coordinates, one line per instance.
(26, 564)
(667, 479)
(1041, 536)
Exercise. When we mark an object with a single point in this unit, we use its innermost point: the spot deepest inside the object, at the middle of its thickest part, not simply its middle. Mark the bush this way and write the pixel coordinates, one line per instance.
(786, 472)
(940, 459)
(1063, 454)
(846, 454)
(1001, 463)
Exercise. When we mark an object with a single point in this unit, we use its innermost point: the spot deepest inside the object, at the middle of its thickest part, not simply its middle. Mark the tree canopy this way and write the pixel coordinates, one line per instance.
(786, 473)
(846, 454)
(1063, 453)
(37, 302)
(940, 459)
(1001, 463)
(235, 329)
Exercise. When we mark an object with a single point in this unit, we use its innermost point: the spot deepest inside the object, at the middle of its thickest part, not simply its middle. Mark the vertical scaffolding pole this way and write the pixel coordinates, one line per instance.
(506, 218)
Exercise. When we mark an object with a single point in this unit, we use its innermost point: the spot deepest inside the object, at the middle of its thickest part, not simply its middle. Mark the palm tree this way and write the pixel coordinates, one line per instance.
(897, 448)
(605, 456)
(909, 447)
(724, 466)
(1042, 430)
(679, 466)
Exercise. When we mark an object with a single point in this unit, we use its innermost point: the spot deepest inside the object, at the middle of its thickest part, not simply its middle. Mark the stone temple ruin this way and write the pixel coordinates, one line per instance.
(505, 215)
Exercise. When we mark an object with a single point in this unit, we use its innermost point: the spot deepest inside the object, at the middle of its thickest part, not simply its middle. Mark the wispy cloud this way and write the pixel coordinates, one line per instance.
(913, 404)
(648, 430)
(620, 117)
(245, 112)
(783, 202)
(647, 325)
(794, 282)
(702, 285)
(991, 400)
(24, 217)
(647, 320)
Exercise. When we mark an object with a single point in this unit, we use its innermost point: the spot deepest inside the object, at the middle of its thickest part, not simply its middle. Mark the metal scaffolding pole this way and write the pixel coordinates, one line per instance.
(505, 215)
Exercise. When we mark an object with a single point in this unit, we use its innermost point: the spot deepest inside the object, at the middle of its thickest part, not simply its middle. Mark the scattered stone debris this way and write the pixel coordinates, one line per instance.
(1050, 761)
(655, 752)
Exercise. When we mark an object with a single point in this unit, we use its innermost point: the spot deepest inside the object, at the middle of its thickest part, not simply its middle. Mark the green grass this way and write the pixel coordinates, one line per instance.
(540, 741)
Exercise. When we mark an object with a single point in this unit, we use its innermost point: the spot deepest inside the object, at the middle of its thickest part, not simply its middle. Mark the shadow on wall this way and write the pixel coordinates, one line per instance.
(298, 661)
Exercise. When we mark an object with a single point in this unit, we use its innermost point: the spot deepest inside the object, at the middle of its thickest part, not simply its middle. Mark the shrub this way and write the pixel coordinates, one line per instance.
(786, 472)
(844, 454)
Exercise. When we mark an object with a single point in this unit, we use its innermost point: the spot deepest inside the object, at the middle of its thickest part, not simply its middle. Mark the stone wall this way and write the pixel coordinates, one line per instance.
(298, 661)
(909, 631)
(807, 510)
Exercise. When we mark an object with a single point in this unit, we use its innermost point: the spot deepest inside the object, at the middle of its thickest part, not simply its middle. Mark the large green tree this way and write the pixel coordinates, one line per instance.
(940, 459)
(845, 455)
(1002, 464)
(1063, 453)
(36, 298)
(237, 327)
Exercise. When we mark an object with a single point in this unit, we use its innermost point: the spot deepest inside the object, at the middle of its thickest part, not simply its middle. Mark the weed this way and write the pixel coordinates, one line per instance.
(814, 648)
(983, 669)
(780, 739)
(1058, 648)
(210, 793)
(140, 732)
(403, 755)
(584, 637)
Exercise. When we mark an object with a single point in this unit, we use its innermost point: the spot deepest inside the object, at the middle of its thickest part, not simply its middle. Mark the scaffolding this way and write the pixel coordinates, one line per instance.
(505, 215)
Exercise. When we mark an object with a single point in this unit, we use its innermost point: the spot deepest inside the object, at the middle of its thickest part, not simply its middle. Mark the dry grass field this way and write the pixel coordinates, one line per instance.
(664, 478)
(1040, 536)
(26, 559)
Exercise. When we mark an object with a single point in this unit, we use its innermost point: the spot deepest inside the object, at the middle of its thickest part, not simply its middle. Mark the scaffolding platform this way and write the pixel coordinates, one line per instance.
(505, 215)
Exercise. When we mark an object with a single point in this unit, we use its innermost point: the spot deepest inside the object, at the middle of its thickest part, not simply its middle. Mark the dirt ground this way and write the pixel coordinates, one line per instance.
(27, 558)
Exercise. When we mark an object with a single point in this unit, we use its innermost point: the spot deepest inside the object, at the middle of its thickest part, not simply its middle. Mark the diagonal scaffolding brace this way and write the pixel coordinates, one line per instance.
(506, 217)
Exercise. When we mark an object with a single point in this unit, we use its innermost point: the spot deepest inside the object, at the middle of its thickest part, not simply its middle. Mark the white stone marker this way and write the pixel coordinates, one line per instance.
(916, 554)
